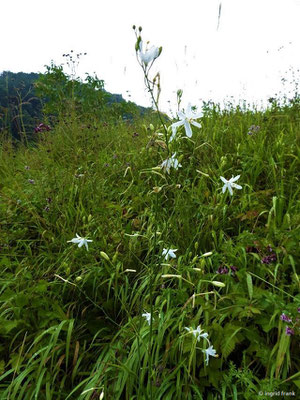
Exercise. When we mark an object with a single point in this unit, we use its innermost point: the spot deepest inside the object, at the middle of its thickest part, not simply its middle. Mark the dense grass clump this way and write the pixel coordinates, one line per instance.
(71, 319)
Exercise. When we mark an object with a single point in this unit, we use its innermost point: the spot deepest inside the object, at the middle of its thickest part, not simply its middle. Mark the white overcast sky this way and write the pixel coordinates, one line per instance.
(256, 44)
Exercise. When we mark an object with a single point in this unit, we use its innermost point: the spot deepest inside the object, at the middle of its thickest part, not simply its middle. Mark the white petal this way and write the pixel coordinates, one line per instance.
(81, 243)
(196, 124)
(230, 189)
(141, 46)
(188, 129)
(223, 179)
(235, 178)
(181, 115)
(224, 188)
(189, 110)
(236, 186)
(176, 124)
(74, 240)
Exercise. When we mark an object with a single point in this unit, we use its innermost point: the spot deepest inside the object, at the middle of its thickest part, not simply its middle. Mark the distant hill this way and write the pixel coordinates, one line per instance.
(26, 99)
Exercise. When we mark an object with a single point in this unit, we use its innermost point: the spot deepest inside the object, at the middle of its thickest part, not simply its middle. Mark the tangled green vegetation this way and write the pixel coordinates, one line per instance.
(71, 323)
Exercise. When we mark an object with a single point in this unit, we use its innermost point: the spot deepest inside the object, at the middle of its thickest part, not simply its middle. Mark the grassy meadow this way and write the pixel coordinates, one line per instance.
(174, 266)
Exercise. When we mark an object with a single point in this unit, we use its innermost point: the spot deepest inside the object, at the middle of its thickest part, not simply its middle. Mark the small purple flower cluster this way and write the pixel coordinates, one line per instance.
(266, 259)
(285, 318)
(269, 259)
(42, 128)
(49, 200)
(253, 129)
(290, 330)
(224, 270)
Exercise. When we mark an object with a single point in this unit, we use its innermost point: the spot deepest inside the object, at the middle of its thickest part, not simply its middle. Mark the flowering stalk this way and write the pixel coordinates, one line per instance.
(146, 59)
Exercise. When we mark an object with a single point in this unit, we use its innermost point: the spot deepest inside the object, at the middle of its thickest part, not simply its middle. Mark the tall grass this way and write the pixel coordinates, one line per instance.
(71, 324)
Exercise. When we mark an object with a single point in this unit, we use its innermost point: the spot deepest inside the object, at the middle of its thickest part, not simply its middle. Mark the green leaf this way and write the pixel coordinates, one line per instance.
(297, 383)
(250, 286)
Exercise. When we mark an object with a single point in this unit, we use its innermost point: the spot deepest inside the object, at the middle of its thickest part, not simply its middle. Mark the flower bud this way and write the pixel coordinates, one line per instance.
(156, 189)
(104, 255)
(207, 254)
(151, 127)
(219, 284)
(78, 279)
(196, 245)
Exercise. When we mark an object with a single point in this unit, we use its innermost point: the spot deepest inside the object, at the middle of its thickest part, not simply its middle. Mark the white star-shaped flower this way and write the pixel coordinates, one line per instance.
(186, 119)
(209, 352)
(169, 253)
(230, 184)
(170, 162)
(147, 315)
(197, 333)
(148, 55)
(81, 241)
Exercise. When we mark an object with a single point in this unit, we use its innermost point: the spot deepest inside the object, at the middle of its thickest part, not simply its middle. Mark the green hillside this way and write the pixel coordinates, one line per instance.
(142, 259)
(26, 100)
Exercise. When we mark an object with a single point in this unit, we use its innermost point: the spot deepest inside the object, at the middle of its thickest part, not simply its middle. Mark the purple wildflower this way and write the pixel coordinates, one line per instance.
(298, 309)
(27, 167)
(285, 318)
(222, 270)
(31, 181)
(41, 128)
(289, 331)
(47, 208)
(253, 129)
(269, 259)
